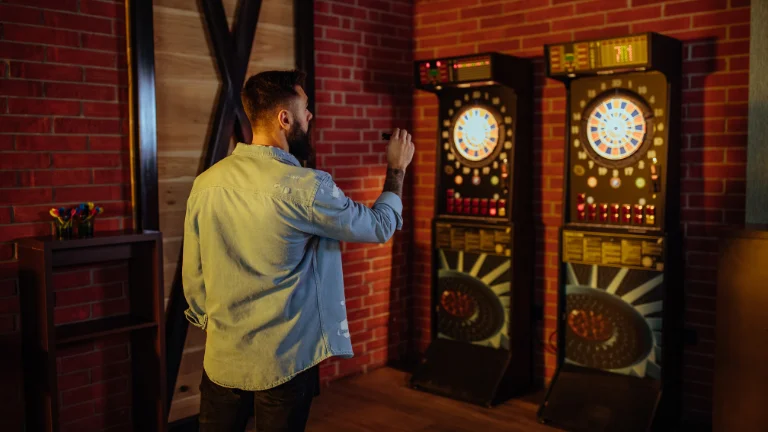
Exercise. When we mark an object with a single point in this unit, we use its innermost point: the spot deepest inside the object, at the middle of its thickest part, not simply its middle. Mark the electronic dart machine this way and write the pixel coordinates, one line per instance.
(620, 290)
(482, 231)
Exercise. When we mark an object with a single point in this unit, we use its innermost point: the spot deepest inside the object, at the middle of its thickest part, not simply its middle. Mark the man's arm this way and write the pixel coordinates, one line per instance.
(336, 216)
(394, 181)
(192, 273)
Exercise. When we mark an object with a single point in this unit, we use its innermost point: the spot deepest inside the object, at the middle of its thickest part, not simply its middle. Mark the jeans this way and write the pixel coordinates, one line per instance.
(284, 408)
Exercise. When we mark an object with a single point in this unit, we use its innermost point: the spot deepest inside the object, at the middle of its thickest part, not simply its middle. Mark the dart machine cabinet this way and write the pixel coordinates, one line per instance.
(620, 289)
(482, 230)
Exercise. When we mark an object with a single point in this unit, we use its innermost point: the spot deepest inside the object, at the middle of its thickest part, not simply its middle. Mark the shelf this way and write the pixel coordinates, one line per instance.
(84, 330)
(100, 238)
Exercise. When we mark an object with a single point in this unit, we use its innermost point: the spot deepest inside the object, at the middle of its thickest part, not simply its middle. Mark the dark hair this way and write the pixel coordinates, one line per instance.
(267, 92)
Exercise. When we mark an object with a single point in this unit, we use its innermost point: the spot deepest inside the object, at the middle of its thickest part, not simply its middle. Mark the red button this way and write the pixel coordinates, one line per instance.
(650, 210)
(603, 217)
(467, 210)
(449, 192)
(467, 202)
(626, 218)
(502, 203)
(484, 203)
(614, 209)
(592, 216)
(475, 210)
(582, 215)
(638, 209)
(483, 210)
(614, 217)
(475, 202)
(625, 210)
(593, 207)
(493, 204)
(638, 219)
(580, 198)
(580, 207)
(492, 211)
(604, 208)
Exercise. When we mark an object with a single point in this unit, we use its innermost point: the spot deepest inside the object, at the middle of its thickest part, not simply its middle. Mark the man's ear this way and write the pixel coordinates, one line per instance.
(284, 119)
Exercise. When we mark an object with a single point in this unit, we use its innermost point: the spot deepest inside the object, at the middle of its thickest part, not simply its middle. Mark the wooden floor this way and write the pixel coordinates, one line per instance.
(381, 401)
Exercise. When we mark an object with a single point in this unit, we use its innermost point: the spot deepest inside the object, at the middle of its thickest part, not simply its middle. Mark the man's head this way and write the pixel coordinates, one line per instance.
(276, 106)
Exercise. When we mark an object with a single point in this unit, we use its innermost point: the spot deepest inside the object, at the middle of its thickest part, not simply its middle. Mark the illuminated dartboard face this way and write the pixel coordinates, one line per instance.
(616, 128)
(475, 134)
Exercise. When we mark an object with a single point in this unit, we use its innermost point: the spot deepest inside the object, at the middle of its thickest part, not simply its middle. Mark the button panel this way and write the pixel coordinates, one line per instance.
(474, 206)
(614, 213)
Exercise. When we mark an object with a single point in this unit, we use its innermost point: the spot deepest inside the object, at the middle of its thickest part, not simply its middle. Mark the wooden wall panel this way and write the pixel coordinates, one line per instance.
(187, 87)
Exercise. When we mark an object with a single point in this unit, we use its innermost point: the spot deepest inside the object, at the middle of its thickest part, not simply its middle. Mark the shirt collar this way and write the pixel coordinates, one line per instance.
(266, 151)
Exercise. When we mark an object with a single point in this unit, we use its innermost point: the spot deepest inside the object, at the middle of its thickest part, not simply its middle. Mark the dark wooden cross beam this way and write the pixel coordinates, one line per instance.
(232, 56)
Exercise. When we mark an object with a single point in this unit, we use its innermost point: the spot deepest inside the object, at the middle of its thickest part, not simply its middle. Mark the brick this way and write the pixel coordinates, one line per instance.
(421, 8)
(20, 88)
(25, 196)
(663, 25)
(105, 76)
(439, 18)
(16, 51)
(738, 94)
(481, 11)
(469, 37)
(41, 35)
(88, 294)
(343, 35)
(540, 41)
(5, 213)
(582, 22)
(604, 32)
(103, 42)
(44, 71)
(326, 20)
(12, 232)
(739, 31)
(76, 412)
(105, 110)
(335, 59)
(527, 30)
(111, 371)
(71, 279)
(109, 143)
(81, 57)
(20, 161)
(598, 6)
(550, 13)
(122, 176)
(18, 14)
(634, 14)
(86, 126)
(77, 22)
(103, 8)
(43, 106)
(694, 6)
(738, 63)
(738, 16)
(89, 193)
(74, 380)
(49, 142)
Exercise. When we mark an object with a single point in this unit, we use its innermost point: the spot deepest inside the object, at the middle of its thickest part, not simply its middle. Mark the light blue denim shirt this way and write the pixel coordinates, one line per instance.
(262, 264)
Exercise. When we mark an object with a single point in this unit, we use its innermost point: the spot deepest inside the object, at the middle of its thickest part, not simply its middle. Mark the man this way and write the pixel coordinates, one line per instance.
(262, 263)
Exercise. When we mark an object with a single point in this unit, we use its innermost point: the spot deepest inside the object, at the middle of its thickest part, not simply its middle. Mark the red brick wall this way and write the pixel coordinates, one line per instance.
(716, 66)
(363, 74)
(63, 141)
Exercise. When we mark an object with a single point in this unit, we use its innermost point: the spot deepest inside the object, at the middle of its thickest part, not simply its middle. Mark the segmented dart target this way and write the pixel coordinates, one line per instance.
(613, 319)
(617, 125)
(475, 134)
(473, 298)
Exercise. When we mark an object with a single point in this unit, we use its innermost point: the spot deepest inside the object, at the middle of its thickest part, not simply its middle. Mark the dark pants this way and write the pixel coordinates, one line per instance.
(284, 408)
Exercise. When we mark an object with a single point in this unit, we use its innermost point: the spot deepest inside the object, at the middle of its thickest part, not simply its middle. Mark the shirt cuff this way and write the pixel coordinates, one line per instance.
(392, 200)
(200, 322)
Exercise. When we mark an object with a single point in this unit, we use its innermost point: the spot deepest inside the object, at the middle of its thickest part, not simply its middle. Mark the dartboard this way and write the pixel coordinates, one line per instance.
(616, 128)
(475, 134)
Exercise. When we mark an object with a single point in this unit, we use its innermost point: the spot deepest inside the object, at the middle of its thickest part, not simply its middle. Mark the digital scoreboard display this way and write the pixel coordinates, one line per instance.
(593, 56)
(436, 72)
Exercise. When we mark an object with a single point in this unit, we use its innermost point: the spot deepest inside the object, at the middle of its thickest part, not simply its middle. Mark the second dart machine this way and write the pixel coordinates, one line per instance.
(482, 230)
(620, 291)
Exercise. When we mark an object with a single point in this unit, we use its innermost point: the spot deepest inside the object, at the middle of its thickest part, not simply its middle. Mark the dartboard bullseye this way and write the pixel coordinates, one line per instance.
(616, 128)
(475, 134)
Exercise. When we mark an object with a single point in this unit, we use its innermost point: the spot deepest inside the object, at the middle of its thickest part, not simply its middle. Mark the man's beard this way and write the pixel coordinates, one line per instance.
(300, 143)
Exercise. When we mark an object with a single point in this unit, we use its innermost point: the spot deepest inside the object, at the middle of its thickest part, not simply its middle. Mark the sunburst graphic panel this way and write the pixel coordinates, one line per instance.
(474, 298)
(613, 319)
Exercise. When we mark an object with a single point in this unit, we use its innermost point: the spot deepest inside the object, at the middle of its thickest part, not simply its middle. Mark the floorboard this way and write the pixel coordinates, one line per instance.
(382, 401)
